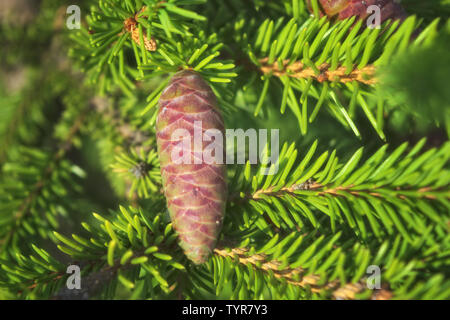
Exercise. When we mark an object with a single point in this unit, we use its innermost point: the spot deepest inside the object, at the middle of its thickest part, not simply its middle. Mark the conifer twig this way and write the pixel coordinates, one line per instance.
(290, 275)
(426, 192)
(59, 154)
(131, 25)
(298, 70)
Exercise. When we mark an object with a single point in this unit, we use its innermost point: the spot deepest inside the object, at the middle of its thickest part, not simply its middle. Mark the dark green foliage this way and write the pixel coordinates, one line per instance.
(417, 81)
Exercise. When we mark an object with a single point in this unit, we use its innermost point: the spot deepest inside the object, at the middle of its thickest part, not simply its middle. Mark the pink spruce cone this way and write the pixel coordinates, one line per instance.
(195, 193)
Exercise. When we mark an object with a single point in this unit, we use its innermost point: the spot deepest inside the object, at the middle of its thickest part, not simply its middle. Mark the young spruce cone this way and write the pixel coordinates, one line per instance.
(195, 192)
(344, 9)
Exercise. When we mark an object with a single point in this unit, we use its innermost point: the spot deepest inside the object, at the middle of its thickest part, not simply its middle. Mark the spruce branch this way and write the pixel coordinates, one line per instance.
(310, 229)
(334, 64)
(132, 241)
(321, 73)
(161, 27)
(291, 275)
(124, 134)
(142, 170)
(44, 176)
(414, 184)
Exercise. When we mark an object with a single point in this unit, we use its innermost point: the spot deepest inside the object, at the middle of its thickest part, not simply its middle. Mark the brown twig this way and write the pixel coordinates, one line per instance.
(298, 70)
(131, 25)
(322, 190)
